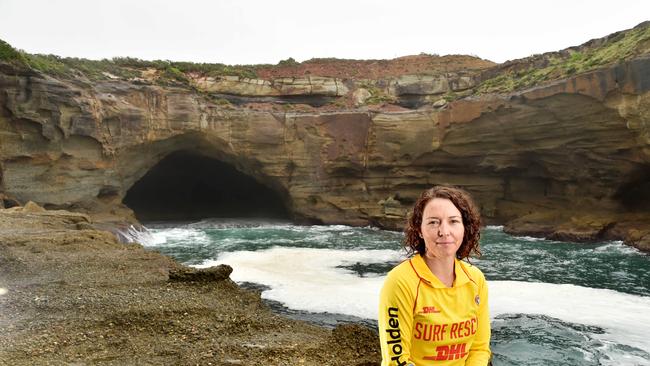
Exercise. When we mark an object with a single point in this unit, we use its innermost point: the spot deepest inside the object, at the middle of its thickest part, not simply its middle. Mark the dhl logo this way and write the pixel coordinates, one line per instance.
(429, 310)
(451, 352)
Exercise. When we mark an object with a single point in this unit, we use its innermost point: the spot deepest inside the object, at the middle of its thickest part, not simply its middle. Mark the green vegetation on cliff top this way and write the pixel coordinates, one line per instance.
(506, 77)
(128, 68)
(9, 54)
(557, 65)
(166, 72)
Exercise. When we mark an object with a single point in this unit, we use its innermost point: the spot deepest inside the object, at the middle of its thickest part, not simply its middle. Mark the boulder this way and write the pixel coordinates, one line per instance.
(210, 274)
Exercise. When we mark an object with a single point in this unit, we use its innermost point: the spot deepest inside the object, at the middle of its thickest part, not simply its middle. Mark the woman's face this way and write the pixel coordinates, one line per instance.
(442, 228)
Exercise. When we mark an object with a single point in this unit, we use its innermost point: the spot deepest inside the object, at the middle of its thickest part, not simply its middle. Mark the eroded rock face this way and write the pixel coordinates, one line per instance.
(576, 151)
(311, 85)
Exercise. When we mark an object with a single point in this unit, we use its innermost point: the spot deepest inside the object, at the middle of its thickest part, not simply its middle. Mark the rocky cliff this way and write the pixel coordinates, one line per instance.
(556, 144)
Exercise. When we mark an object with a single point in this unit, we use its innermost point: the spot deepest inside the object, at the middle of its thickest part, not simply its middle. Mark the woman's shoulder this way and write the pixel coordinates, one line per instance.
(401, 279)
(401, 272)
(474, 271)
(403, 268)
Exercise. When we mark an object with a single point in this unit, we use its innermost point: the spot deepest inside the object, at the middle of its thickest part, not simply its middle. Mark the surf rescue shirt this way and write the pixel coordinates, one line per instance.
(423, 322)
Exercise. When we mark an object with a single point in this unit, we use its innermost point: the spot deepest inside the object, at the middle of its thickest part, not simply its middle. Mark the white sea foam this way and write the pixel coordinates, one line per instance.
(308, 279)
(617, 247)
(330, 228)
(622, 315)
(495, 227)
(529, 238)
(3, 291)
(242, 242)
(132, 234)
(182, 235)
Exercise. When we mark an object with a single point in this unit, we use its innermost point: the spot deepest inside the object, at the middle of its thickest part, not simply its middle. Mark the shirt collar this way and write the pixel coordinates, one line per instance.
(422, 270)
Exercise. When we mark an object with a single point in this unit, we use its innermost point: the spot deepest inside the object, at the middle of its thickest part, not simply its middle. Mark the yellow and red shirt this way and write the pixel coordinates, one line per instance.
(424, 322)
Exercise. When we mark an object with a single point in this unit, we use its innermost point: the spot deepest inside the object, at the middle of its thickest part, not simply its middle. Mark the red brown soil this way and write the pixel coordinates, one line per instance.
(376, 69)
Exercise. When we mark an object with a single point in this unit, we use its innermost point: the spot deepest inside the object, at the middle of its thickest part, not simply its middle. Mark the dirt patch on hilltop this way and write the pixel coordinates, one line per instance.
(376, 69)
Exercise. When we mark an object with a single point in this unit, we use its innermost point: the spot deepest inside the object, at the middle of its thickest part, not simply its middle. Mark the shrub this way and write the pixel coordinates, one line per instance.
(8, 53)
(49, 64)
(288, 62)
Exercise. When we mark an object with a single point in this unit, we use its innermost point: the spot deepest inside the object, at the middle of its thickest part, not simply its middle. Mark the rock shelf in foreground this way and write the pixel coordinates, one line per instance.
(78, 296)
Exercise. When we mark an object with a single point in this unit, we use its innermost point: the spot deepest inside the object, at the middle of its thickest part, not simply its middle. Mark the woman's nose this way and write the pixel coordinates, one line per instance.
(443, 229)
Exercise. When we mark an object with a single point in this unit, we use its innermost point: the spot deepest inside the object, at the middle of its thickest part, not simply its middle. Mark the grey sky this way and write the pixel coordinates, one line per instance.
(258, 31)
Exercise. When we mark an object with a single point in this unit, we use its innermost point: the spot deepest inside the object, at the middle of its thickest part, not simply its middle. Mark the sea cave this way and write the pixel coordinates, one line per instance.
(188, 186)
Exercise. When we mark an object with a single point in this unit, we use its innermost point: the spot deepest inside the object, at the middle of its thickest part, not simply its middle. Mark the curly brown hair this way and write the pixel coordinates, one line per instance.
(413, 242)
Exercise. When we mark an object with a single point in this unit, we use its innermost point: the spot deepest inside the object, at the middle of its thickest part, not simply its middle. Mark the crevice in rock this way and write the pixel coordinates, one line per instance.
(412, 101)
(187, 186)
(313, 100)
(634, 193)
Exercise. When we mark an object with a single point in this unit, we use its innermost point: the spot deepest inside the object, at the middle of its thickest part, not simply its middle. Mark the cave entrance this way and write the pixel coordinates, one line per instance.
(189, 186)
(634, 193)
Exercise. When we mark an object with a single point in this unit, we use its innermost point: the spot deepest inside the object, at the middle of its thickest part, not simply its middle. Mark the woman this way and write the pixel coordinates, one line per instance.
(433, 307)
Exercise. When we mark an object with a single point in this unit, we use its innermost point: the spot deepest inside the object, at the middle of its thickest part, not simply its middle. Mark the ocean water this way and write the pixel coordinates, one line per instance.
(551, 303)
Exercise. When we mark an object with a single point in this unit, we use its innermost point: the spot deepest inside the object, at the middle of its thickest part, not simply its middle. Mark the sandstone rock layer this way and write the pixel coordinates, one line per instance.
(569, 158)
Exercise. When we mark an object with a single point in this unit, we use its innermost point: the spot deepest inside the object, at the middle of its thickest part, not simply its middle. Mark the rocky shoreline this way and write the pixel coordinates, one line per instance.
(554, 145)
(72, 294)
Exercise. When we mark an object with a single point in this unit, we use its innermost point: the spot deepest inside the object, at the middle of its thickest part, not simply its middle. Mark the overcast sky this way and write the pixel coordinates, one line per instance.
(266, 31)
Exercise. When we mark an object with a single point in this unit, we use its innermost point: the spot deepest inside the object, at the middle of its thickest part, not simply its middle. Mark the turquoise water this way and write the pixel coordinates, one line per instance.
(551, 303)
